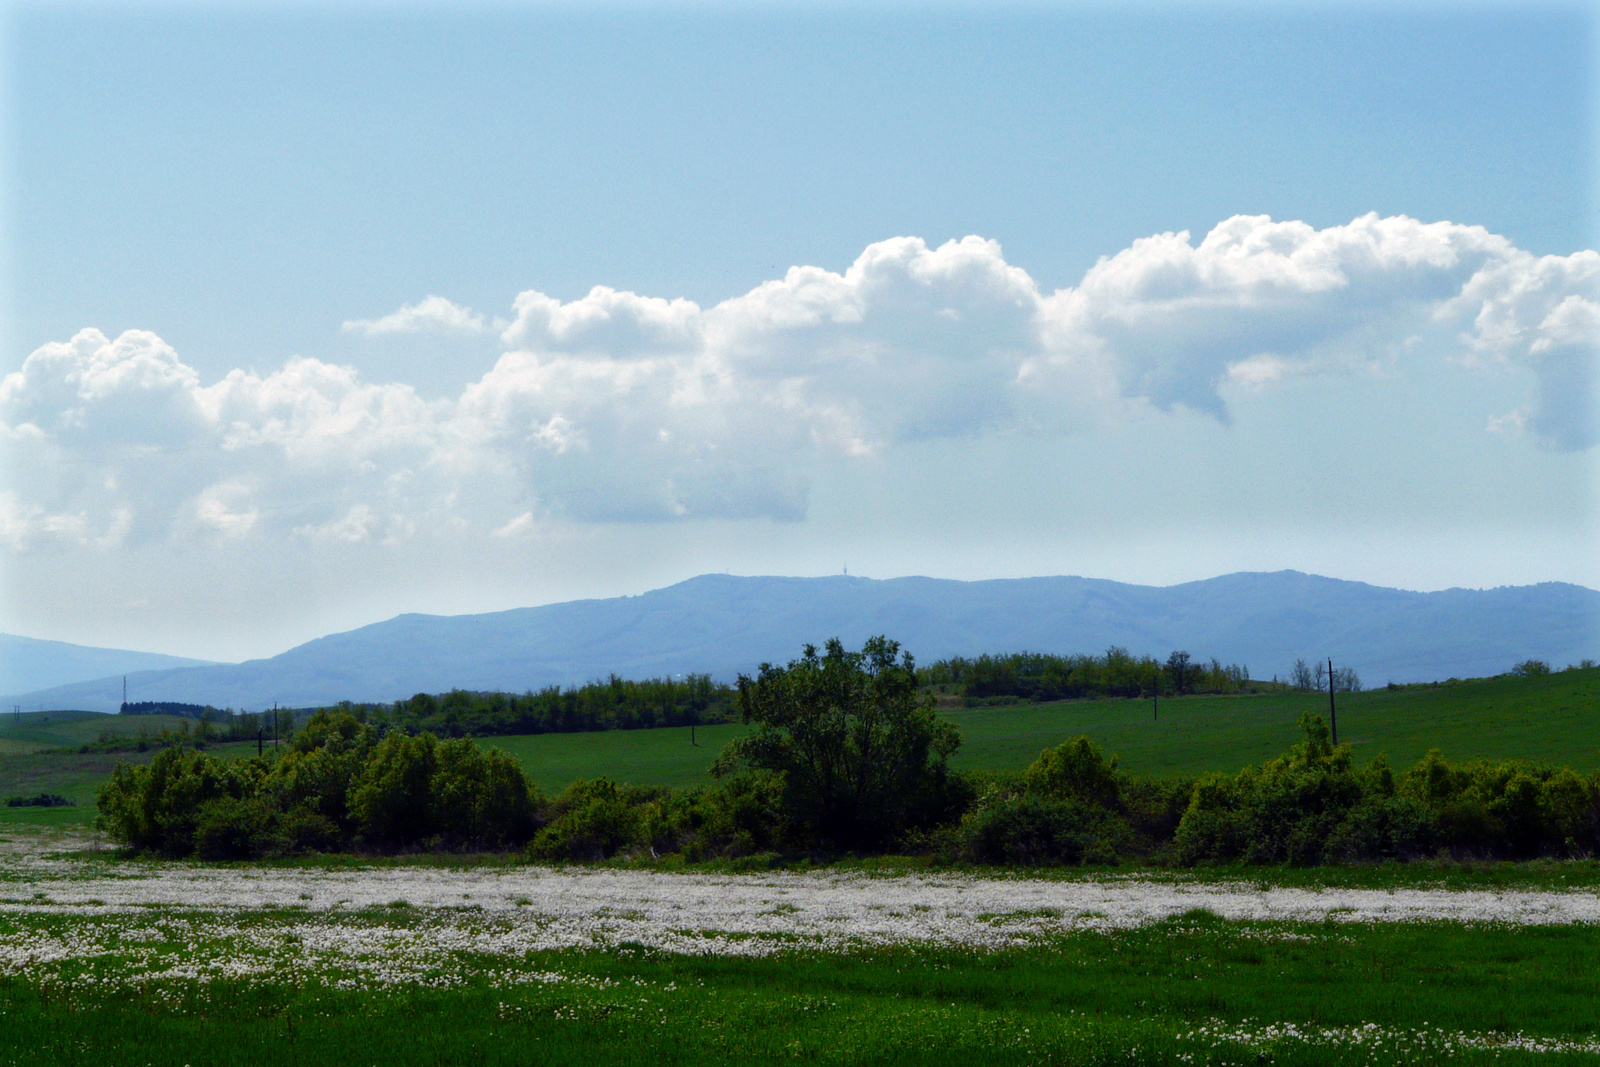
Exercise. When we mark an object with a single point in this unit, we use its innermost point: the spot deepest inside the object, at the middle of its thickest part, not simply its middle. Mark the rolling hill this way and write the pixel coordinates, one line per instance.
(28, 664)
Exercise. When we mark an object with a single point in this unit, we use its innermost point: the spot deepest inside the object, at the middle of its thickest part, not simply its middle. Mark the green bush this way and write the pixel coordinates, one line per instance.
(1313, 806)
(1030, 830)
(1286, 811)
(302, 829)
(39, 800)
(338, 786)
(1065, 808)
(1384, 827)
(323, 763)
(390, 805)
(157, 808)
(590, 820)
(230, 828)
(1075, 769)
(479, 797)
(845, 756)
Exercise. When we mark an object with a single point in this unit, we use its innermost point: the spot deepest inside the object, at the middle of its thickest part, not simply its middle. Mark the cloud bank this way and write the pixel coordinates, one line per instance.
(620, 407)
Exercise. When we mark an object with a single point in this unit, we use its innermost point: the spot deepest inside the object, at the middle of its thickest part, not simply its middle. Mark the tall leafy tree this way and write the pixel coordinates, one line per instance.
(1179, 671)
(860, 754)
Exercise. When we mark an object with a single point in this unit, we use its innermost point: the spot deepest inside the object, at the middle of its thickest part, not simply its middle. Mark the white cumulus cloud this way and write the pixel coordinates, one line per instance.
(433, 313)
(618, 406)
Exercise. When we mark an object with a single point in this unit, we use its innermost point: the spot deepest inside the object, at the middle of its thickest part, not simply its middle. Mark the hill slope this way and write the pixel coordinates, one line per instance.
(723, 625)
(27, 663)
(1551, 720)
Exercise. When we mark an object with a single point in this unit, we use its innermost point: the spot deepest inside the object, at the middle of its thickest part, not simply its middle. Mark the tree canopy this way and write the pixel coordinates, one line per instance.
(860, 754)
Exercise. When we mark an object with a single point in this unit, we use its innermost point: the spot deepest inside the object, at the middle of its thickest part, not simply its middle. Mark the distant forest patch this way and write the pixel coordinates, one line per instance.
(201, 712)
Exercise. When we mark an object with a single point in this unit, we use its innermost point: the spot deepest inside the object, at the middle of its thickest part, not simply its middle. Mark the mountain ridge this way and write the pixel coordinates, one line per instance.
(33, 663)
(725, 624)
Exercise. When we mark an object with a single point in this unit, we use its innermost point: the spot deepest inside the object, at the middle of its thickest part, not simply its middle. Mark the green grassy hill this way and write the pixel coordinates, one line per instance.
(27, 766)
(34, 730)
(1554, 719)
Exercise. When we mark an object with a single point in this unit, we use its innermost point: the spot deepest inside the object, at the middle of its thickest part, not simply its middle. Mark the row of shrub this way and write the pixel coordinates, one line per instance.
(38, 800)
(340, 786)
(1310, 806)
(1073, 806)
(343, 787)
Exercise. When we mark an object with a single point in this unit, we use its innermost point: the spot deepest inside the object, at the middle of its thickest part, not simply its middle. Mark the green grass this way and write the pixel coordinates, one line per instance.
(643, 757)
(74, 775)
(34, 730)
(1133, 997)
(1555, 719)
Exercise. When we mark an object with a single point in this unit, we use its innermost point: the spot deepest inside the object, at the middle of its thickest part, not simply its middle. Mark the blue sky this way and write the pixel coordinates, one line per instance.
(251, 186)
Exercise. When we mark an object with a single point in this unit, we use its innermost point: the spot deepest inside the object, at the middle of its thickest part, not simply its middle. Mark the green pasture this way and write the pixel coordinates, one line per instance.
(35, 730)
(1192, 990)
(642, 757)
(1554, 719)
(74, 775)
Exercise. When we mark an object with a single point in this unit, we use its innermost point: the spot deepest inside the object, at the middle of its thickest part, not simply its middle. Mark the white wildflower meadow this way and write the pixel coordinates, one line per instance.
(98, 925)
(385, 923)
(1410, 1045)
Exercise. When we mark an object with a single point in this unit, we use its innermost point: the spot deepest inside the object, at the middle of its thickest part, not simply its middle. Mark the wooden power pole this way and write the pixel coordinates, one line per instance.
(1333, 714)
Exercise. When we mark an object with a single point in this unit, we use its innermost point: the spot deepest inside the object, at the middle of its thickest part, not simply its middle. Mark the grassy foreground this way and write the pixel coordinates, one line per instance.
(1191, 990)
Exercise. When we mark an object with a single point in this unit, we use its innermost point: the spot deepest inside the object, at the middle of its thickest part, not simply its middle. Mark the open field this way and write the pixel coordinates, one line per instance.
(1555, 719)
(74, 775)
(104, 959)
(34, 730)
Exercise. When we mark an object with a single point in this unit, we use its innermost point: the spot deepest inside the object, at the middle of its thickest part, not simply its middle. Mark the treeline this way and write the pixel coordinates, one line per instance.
(202, 712)
(1040, 676)
(342, 788)
(614, 704)
(847, 754)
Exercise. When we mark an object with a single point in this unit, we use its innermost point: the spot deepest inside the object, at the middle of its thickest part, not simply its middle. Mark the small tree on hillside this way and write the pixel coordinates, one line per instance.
(1178, 671)
(1300, 676)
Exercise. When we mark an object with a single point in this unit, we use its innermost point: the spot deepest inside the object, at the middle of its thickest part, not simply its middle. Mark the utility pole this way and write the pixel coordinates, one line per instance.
(1333, 714)
(124, 692)
(1155, 704)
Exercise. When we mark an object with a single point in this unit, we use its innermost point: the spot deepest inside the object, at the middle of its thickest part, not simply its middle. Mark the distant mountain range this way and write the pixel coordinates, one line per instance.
(27, 663)
(722, 625)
